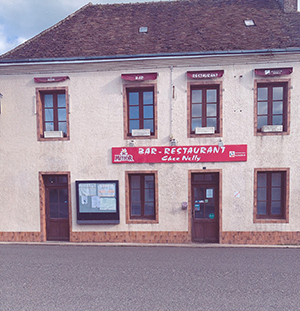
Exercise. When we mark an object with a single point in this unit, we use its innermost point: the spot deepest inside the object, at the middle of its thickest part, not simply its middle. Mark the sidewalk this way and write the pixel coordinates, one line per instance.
(191, 245)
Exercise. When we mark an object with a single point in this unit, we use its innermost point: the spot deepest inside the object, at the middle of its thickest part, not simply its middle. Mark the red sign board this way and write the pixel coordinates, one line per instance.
(180, 154)
(139, 76)
(205, 74)
(273, 72)
(50, 79)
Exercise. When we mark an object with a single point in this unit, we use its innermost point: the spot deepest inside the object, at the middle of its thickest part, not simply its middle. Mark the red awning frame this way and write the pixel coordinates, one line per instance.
(50, 79)
(139, 76)
(273, 72)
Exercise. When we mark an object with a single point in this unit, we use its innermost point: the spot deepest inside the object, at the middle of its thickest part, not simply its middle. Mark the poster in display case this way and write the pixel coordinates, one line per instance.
(97, 202)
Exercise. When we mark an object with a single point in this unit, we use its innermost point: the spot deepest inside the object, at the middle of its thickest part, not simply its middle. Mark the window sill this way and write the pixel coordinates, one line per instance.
(53, 138)
(142, 221)
(271, 220)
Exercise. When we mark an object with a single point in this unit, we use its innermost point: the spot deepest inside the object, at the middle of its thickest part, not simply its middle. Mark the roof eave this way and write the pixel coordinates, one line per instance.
(107, 58)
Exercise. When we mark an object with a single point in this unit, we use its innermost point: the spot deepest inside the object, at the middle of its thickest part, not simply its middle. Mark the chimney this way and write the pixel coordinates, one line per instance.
(289, 6)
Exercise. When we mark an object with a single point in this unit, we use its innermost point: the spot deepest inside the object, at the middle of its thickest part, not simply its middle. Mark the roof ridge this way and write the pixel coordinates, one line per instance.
(22, 45)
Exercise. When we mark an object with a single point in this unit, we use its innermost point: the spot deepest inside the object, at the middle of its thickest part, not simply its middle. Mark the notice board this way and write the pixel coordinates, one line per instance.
(97, 201)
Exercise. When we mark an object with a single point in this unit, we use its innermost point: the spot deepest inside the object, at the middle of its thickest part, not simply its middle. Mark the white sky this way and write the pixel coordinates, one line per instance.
(21, 20)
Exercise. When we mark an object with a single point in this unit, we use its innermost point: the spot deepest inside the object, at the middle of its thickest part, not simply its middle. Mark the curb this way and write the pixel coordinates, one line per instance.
(191, 245)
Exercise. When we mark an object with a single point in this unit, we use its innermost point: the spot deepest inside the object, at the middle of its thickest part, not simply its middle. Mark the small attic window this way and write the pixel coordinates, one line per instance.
(143, 29)
(249, 22)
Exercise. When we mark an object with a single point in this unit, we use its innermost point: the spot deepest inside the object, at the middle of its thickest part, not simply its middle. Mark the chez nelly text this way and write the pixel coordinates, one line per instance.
(181, 153)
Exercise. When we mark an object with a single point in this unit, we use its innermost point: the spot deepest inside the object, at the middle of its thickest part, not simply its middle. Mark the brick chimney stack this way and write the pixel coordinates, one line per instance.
(289, 6)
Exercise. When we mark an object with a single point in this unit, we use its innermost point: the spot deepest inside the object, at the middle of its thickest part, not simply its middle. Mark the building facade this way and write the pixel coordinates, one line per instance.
(151, 147)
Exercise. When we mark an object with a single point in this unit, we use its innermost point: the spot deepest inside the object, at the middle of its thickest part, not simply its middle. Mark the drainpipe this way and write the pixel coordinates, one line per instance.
(172, 139)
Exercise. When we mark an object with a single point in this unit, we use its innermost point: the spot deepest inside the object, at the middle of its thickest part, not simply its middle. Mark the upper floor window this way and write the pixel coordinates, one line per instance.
(272, 107)
(204, 110)
(52, 111)
(140, 111)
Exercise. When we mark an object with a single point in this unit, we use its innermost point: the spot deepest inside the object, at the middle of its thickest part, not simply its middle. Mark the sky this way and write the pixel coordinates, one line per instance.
(21, 20)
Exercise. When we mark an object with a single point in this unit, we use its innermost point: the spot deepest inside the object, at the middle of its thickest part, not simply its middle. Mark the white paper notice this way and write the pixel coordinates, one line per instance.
(108, 204)
(87, 189)
(84, 200)
(209, 193)
(95, 202)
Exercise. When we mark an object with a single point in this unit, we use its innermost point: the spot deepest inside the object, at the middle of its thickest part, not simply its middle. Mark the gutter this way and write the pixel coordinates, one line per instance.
(117, 58)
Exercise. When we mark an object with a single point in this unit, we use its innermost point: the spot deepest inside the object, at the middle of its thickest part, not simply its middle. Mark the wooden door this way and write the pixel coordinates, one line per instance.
(205, 208)
(57, 210)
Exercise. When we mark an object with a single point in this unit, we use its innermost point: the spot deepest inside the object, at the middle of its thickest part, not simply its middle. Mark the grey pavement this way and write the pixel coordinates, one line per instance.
(66, 276)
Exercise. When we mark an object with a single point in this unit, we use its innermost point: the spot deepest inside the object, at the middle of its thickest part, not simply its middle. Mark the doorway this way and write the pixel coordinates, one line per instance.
(205, 207)
(57, 207)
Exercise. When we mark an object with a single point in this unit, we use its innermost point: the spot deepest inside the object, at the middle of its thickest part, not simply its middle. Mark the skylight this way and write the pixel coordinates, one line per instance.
(143, 29)
(249, 22)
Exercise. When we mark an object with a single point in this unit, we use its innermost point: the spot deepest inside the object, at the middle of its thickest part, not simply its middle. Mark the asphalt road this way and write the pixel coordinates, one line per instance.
(47, 277)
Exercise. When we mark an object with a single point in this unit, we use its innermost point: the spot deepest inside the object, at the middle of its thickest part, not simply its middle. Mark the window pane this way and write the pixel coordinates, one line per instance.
(278, 93)
(149, 181)
(212, 122)
(54, 212)
(133, 98)
(148, 98)
(62, 126)
(276, 208)
(61, 100)
(196, 96)
(276, 179)
(134, 112)
(63, 196)
(53, 196)
(48, 100)
(136, 209)
(278, 107)
(263, 108)
(262, 194)
(261, 180)
(211, 110)
(135, 195)
(148, 124)
(261, 208)
(196, 123)
(149, 195)
(211, 96)
(135, 181)
(277, 120)
(262, 93)
(148, 112)
(62, 114)
(49, 126)
(48, 114)
(134, 124)
(149, 209)
(262, 120)
(276, 194)
(63, 210)
(197, 110)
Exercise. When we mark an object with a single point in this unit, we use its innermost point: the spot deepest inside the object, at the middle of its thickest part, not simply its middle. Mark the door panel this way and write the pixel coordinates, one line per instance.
(205, 212)
(57, 213)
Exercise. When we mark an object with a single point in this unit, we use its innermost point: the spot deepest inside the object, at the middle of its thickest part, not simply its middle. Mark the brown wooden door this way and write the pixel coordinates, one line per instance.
(57, 212)
(205, 210)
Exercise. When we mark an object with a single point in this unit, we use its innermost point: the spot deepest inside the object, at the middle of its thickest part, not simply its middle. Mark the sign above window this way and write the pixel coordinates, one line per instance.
(50, 79)
(180, 154)
(273, 72)
(139, 76)
(205, 74)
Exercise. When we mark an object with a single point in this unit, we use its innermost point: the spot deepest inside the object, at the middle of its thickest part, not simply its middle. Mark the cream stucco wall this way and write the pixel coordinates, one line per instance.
(96, 125)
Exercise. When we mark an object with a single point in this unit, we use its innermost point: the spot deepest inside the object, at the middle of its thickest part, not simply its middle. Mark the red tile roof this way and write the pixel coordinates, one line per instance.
(173, 27)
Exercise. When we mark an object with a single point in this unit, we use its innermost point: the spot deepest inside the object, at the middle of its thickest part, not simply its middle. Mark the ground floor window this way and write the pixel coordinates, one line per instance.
(141, 196)
(271, 194)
